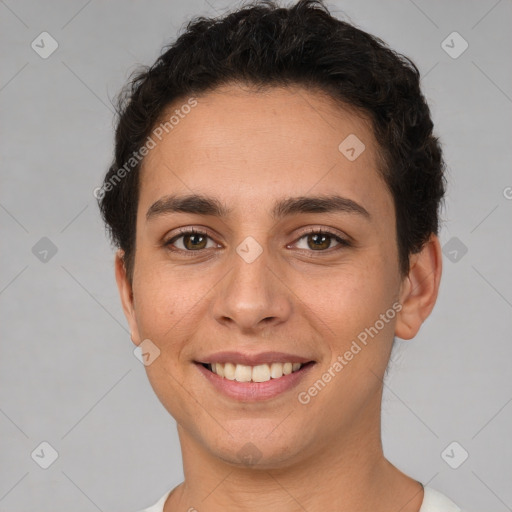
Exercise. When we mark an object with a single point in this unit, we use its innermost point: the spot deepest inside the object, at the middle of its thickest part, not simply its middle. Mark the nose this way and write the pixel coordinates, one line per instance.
(252, 296)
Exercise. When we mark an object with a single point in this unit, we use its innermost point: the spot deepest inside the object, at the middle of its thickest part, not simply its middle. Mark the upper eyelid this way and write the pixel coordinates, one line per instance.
(189, 231)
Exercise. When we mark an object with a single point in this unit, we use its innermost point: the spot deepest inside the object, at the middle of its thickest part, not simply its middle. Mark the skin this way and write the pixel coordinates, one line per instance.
(249, 149)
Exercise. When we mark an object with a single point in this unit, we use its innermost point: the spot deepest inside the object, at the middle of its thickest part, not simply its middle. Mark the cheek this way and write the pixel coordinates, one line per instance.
(171, 306)
(162, 301)
(166, 303)
(351, 297)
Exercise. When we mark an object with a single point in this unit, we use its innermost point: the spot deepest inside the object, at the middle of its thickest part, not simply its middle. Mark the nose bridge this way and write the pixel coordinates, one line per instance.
(251, 294)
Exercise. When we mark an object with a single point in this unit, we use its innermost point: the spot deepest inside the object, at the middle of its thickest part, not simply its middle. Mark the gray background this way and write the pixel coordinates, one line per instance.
(68, 375)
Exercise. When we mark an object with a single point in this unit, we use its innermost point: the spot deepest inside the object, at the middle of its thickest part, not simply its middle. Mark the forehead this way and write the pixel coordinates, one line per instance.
(247, 147)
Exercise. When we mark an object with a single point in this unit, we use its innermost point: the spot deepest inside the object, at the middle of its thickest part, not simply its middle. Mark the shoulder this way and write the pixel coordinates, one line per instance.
(434, 501)
(159, 505)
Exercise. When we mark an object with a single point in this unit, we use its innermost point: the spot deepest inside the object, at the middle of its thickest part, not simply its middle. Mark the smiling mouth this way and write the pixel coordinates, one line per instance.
(258, 373)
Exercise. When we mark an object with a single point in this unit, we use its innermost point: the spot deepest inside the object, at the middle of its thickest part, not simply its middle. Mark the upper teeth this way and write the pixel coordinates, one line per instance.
(259, 373)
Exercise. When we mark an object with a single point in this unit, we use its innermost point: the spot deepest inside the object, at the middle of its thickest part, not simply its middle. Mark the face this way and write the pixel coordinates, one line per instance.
(266, 277)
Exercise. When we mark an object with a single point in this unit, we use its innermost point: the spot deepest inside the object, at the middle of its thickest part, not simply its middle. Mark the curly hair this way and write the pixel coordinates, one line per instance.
(265, 45)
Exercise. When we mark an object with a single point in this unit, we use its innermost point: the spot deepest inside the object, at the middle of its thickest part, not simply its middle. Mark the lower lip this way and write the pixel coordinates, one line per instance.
(255, 391)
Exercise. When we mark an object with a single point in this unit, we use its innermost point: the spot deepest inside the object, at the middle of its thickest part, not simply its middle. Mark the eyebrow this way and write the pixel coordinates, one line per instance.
(204, 205)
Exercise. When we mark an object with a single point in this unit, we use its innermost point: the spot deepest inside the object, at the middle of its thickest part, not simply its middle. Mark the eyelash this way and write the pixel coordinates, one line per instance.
(313, 231)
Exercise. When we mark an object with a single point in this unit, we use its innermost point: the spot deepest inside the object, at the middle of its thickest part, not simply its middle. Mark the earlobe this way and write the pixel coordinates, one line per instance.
(419, 289)
(126, 296)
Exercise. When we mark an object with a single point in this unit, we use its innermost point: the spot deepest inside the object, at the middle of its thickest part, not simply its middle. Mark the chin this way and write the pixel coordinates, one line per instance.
(257, 453)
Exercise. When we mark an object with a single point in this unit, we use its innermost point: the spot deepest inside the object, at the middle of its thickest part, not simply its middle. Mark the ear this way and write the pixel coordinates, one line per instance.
(419, 289)
(126, 294)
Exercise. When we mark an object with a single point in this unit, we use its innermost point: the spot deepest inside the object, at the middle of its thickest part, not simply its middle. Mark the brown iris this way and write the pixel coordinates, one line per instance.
(198, 240)
(321, 241)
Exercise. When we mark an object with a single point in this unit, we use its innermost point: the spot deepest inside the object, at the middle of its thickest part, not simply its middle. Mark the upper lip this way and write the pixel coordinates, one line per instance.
(253, 359)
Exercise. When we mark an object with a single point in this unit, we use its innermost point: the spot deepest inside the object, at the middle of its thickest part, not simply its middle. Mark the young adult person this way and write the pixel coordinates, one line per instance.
(274, 198)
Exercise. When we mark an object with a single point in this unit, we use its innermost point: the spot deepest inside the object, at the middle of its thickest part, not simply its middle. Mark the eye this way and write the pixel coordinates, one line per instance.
(193, 240)
(321, 240)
